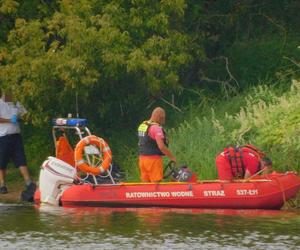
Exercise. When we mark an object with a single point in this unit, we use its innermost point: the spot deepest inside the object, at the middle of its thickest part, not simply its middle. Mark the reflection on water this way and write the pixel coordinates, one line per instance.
(47, 227)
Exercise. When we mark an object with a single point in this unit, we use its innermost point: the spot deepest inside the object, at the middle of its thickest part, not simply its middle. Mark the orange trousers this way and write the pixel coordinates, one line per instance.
(151, 168)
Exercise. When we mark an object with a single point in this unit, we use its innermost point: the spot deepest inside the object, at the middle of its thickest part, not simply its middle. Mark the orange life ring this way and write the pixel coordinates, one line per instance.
(102, 145)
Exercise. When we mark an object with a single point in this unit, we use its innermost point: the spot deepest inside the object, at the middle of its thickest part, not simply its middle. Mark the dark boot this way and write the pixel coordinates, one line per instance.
(28, 193)
(3, 190)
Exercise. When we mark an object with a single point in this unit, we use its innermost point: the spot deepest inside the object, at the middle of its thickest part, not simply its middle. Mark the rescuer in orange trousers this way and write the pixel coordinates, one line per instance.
(153, 145)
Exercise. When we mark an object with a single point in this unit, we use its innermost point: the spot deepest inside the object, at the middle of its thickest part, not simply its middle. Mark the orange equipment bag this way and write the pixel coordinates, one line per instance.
(64, 151)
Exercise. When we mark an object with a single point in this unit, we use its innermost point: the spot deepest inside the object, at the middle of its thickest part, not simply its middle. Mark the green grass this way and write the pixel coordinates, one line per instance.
(264, 118)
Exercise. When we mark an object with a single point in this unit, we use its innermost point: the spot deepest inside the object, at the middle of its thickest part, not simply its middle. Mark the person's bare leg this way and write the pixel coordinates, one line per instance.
(25, 173)
(2, 177)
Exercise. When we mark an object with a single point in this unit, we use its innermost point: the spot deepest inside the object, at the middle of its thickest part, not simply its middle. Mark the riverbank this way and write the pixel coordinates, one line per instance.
(14, 193)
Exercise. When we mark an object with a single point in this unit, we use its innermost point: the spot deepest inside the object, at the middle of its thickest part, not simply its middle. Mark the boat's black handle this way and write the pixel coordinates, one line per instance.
(169, 169)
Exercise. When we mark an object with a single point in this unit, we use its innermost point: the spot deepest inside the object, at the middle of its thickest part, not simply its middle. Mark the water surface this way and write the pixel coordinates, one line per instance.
(47, 227)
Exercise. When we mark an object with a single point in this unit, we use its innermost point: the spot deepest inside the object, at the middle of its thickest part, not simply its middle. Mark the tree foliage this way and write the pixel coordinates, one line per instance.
(113, 54)
(119, 56)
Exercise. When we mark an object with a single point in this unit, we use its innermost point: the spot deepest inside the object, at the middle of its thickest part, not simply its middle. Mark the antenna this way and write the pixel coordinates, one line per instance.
(76, 98)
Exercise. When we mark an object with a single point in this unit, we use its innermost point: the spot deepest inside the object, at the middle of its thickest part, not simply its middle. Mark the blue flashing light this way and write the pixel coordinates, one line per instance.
(78, 122)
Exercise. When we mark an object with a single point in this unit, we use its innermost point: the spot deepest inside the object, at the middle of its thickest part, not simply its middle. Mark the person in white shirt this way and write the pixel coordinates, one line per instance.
(11, 145)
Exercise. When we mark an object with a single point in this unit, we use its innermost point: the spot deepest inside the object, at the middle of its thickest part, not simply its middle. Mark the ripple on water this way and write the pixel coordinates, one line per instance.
(23, 227)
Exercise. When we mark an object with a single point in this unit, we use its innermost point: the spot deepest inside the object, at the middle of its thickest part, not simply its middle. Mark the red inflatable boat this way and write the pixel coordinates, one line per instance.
(56, 186)
(266, 192)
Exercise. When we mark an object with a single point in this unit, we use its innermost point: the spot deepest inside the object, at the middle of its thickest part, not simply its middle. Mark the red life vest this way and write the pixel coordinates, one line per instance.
(235, 156)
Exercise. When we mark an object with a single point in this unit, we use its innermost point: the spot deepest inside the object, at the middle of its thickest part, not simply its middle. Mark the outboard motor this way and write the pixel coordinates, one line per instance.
(184, 174)
(55, 177)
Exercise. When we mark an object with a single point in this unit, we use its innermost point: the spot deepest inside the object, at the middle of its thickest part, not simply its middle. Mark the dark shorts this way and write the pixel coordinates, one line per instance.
(11, 148)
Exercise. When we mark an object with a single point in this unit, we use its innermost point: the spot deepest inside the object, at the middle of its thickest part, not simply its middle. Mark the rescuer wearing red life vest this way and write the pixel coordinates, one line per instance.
(241, 162)
(152, 146)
